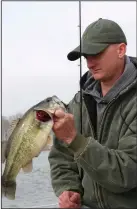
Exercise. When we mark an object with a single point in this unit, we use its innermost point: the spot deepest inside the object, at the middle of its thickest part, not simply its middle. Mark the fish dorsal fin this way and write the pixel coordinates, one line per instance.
(3, 150)
(12, 126)
(28, 167)
(6, 143)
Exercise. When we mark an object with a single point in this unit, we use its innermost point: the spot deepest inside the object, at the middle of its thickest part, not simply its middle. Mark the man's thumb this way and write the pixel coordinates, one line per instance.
(59, 113)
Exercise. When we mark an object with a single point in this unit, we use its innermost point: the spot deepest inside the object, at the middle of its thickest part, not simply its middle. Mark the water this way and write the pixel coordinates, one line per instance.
(34, 189)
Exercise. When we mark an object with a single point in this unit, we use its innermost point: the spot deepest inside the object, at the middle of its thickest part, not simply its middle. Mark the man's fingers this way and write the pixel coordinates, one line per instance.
(69, 199)
(59, 113)
(68, 204)
(64, 196)
(75, 198)
(58, 124)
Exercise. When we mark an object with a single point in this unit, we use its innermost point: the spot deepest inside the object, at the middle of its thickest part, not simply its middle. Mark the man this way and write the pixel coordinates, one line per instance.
(98, 167)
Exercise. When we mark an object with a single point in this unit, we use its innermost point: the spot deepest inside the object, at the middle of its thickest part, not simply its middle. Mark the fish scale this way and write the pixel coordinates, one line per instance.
(26, 141)
(13, 145)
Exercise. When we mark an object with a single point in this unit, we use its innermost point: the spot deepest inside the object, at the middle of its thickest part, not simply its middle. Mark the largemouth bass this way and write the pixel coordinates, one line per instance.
(30, 135)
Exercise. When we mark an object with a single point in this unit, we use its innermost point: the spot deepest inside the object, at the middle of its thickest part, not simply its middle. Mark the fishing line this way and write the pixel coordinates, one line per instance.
(80, 65)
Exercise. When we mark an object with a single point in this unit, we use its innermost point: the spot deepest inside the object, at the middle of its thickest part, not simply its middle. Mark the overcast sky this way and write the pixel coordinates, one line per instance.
(37, 36)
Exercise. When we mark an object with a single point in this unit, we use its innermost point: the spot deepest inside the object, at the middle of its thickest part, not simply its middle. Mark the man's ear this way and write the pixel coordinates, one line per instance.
(121, 50)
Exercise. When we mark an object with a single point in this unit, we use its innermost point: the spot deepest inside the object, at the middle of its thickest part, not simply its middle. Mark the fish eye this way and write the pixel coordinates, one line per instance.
(48, 99)
(42, 116)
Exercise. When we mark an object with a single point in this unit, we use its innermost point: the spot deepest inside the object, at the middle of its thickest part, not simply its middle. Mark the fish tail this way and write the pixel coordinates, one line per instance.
(8, 189)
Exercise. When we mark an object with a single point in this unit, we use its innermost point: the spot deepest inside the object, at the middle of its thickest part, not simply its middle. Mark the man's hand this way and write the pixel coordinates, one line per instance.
(64, 127)
(69, 199)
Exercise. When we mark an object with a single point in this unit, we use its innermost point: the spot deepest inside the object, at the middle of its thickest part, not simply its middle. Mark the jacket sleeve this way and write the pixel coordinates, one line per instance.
(115, 170)
(64, 171)
(65, 175)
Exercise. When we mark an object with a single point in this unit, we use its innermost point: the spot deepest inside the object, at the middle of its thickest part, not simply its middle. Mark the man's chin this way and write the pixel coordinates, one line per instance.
(98, 77)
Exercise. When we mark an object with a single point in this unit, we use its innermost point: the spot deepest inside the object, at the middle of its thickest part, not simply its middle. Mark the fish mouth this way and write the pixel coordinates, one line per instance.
(43, 116)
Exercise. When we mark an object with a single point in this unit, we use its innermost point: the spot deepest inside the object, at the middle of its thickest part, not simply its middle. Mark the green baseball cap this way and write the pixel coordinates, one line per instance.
(97, 37)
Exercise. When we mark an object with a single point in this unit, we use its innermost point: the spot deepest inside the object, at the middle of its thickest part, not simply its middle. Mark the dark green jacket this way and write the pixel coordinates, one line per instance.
(102, 165)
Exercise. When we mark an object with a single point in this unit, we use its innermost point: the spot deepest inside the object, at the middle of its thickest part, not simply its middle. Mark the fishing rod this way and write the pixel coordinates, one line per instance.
(80, 64)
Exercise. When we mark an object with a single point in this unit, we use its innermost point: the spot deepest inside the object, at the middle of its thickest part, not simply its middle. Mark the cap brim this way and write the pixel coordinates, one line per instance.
(90, 49)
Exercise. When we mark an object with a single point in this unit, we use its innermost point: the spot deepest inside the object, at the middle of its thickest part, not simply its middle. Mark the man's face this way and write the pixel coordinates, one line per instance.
(105, 66)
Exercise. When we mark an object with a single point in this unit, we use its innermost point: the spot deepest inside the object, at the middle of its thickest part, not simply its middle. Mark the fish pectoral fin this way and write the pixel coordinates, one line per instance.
(28, 167)
(49, 143)
(3, 149)
(49, 140)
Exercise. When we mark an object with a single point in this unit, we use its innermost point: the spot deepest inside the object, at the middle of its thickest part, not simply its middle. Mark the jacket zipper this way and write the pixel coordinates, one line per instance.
(102, 118)
(94, 184)
(99, 199)
(98, 135)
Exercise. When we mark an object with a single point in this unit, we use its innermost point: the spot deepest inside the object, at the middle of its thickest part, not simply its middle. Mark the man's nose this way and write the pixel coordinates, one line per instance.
(90, 62)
